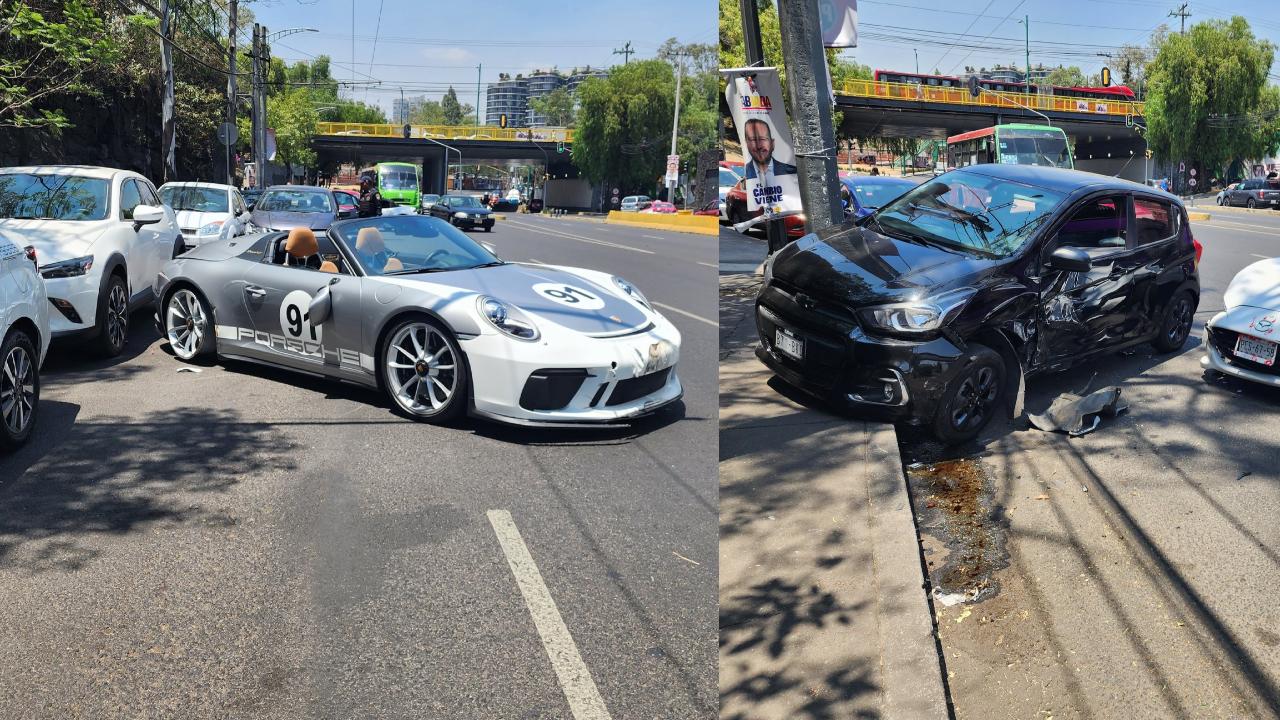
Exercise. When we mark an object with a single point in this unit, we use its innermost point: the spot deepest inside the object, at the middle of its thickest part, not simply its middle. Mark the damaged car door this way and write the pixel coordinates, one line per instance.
(1089, 308)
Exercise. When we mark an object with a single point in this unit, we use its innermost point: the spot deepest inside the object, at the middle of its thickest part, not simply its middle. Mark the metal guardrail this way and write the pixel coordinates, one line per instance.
(961, 96)
(446, 132)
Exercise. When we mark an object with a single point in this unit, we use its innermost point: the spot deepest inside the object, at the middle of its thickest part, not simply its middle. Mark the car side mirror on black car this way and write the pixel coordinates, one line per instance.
(1070, 259)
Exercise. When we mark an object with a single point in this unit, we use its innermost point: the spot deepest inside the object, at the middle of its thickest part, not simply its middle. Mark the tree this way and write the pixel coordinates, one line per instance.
(1205, 90)
(1066, 77)
(43, 57)
(1130, 64)
(294, 119)
(556, 106)
(624, 124)
(427, 112)
(455, 113)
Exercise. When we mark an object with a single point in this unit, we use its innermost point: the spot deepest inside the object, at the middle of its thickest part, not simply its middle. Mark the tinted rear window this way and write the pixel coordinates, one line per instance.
(1155, 220)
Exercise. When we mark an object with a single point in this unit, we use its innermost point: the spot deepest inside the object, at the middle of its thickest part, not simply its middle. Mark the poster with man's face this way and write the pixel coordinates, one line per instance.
(755, 98)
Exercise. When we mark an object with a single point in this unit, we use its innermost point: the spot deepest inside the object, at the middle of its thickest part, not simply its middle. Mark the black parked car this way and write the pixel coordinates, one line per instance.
(929, 309)
(1257, 192)
(463, 211)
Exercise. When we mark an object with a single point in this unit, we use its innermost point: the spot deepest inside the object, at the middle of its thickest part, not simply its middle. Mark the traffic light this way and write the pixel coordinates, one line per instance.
(502, 120)
(559, 147)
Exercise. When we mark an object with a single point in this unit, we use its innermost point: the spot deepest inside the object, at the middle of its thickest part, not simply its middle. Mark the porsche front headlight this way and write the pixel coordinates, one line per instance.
(919, 316)
(507, 318)
(632, 291)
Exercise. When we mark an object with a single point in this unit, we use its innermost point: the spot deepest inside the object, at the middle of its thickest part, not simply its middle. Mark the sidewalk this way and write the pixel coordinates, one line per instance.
(822, 608)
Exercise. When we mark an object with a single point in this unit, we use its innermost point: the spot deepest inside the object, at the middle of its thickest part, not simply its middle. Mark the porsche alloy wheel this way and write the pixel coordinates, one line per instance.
(19, 389)
(186, 324)
(424, 372)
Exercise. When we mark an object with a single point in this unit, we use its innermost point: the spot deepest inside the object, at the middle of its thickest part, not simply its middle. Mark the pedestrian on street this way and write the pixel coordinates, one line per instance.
(370, 202)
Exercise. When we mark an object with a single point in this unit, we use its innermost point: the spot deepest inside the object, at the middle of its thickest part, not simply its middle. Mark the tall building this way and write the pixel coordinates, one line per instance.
(510, 95)
(402, 109)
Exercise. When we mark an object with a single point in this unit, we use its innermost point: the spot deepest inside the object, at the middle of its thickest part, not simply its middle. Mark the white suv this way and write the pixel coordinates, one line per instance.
(101, 236)
(206, 211)
(24, 338)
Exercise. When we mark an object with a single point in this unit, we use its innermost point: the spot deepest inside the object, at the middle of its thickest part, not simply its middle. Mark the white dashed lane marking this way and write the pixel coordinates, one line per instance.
(579, 689)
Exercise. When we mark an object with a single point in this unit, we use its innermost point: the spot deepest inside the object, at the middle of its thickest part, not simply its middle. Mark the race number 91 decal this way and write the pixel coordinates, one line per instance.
(574, 297)
(295, 317)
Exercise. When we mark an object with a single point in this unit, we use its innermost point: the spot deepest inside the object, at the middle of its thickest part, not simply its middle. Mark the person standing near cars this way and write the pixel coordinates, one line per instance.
(370, 203)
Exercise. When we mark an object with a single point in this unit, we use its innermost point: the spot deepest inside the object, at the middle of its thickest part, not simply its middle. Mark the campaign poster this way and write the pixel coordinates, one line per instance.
(755, 99)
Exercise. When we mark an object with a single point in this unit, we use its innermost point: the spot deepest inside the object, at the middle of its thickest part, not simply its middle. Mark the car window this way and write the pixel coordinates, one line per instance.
(238, 202)
(1154, 220)
(199, 199)
(303, 201)
(149, 196)
(55, 197)
(129, 199)
(1098, 223)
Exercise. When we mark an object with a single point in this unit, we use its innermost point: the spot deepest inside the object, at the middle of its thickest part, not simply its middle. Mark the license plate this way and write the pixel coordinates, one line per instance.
(1259, 351)
(789, 344)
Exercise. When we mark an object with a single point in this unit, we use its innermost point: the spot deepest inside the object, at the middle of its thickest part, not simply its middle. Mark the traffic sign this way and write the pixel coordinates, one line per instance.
(227, 133)
(1192, 182)
(1193, 172)
(1182, 167)
(615, 191)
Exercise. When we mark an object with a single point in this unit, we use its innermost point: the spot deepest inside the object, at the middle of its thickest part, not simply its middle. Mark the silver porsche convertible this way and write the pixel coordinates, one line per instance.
(414, 307)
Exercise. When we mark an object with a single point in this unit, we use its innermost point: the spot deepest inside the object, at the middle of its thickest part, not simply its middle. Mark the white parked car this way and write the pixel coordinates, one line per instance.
(1242, 340)
(635, 203)
(24, 339)
(206, 211)
(101, 236)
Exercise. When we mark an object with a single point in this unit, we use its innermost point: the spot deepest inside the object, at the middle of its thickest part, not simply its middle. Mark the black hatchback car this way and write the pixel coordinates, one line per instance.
(933, 308)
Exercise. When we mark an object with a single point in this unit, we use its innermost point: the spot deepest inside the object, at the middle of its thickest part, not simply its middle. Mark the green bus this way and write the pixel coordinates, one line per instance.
(1014, 144)
(398, 182)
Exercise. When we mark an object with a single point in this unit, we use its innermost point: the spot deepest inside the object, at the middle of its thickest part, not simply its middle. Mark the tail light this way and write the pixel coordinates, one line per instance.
(1199, 249)
(1259, 194)
(31, 255)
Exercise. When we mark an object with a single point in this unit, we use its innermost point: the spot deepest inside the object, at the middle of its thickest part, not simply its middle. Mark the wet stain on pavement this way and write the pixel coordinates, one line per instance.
(962, 528)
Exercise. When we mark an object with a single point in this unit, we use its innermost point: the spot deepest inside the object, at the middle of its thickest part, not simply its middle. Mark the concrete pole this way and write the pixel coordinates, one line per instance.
(232, 10)
(812, 124)
(168, 122)
(255, 79)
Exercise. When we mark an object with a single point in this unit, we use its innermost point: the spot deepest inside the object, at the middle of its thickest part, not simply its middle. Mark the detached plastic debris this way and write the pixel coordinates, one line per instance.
(189, 369)
(1076, 415)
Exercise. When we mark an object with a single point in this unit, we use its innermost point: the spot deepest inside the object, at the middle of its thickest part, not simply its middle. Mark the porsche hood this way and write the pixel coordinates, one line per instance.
(553, 294)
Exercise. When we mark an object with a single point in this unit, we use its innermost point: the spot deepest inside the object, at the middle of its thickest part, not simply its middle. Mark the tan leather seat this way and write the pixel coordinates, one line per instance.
(301, 243)
(369, 242)
(329, 267)
(392, 264)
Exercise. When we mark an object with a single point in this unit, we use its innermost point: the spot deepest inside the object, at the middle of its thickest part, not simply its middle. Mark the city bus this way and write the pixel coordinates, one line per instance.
(1013, 144)
(398, 182)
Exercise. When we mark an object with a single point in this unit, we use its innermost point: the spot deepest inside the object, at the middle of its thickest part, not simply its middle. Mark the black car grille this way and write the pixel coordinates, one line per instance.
(1224, 341)
(635, 388)
(830, 309)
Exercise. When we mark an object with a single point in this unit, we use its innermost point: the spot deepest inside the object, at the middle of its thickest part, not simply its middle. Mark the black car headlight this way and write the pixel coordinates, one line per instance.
(74, 267)
(918, 316)
(507, 318)
(632, 291)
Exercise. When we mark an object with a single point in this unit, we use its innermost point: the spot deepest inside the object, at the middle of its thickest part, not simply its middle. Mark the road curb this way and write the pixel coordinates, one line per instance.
(700, 224)
(1199, 215)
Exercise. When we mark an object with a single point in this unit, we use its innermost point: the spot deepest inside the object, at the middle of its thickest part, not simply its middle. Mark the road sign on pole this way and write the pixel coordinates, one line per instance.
(227, 133)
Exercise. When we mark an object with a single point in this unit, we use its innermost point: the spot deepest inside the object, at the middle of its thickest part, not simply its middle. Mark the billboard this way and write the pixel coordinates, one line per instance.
(755, 100)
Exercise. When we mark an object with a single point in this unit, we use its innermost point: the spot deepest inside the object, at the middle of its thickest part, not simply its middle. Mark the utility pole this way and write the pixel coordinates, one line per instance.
(232, 9)
(260, 66)
(917, 54)
(1182, 13)
(478, 66)
(168, 123)
(1026, 22)
(626, 52)
(675, 126)
(813, 126)
(774, 228)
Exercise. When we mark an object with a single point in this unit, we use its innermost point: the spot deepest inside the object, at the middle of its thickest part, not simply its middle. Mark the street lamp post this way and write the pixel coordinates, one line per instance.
(675, 126)
(1026, 23)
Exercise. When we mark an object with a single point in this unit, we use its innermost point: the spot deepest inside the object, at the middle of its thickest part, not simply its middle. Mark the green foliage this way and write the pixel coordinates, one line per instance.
(426, 112)
(1066, 77)
(1206, 89)
(624, 124)
(293, 116)
(455, 113)
(352, 111)
(44, 55)
(557, 106)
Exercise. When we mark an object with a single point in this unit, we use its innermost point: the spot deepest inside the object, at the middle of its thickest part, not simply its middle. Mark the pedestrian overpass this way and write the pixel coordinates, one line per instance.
(1106, 140)
(438, 147)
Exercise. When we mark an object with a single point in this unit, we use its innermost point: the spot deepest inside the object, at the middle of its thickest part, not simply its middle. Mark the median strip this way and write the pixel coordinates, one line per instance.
(700, 224)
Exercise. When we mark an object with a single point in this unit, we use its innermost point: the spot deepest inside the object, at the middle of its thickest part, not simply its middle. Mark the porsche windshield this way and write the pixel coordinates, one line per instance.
(28, 196)
(411, 244)
(301, 201)
(968, 212)
(195, 198)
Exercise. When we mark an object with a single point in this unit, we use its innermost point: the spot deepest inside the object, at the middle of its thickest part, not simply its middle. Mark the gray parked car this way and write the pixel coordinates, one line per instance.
(1256, 192)
(283, 207)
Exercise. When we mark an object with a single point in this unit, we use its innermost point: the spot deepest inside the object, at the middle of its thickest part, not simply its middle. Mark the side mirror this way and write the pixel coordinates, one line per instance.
(1070, 259)
(321, 305)
(147, 215)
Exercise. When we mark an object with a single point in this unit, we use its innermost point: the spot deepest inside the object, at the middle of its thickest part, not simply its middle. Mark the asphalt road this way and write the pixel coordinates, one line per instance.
(243, 542)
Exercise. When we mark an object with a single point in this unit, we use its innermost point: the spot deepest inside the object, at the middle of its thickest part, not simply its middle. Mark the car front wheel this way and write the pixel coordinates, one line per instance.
(423, 371)
(113, 317)
(972, 397)
(188, 324)
(19, 389)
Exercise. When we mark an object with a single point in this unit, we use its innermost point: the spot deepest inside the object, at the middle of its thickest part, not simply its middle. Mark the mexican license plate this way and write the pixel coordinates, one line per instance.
(1259, 351)
(789, 344)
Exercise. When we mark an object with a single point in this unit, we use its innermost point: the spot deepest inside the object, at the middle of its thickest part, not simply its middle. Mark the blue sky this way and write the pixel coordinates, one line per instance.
(1068, 32)
(425, 46)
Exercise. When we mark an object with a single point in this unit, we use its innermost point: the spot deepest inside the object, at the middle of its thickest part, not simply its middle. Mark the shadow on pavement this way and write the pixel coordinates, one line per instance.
(71, 361)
